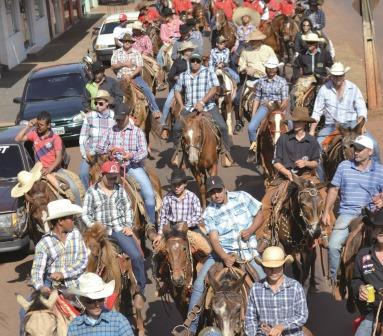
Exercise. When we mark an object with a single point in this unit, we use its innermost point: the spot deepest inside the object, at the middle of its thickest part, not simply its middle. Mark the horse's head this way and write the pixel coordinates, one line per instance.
(40, 320)
(220, 19)
(288, 29)
(277, 123)
(95, 238)
(228, 303)
(178, 252)
(311, 205)
(192, 137)
(349, 134)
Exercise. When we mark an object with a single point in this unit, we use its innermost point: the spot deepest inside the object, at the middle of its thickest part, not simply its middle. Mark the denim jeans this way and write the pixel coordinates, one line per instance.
(199, 284)
(147, 193)
(129, 246)
(160, 56)
(255, 121)
(84, 173)
(233, 74)
(153, 107)
(337, 239)
(167, 106)
(365, 327)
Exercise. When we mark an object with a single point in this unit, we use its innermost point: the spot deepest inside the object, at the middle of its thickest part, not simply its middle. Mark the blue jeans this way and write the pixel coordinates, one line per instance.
(160, 56)
(84, 173)
(233, 74)
(129, 246)
(255, 121)
(337, 239)
(167, 106)
(199, 284)
(147, 193)
(365, 328)
(153, 107)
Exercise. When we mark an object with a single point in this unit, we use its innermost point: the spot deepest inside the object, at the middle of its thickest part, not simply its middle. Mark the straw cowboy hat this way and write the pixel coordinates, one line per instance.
(338, 69)
(272, 63)
(26, 180)
(301, 113)
(93, 287)
(138, 26)
(127, 37)
(256, 35)
(178, 175)
(221, 39)
(255, 18)
(274, 257)
(103, 94)
(312, 37)
(185, 46)
(62, 208)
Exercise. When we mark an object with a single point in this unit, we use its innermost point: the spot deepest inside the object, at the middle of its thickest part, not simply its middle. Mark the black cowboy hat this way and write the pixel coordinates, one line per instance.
(178, 175)
(97, 67)
(185, 28)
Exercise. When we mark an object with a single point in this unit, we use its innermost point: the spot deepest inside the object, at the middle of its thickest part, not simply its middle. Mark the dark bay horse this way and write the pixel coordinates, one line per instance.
(224, 28)
(199, 14)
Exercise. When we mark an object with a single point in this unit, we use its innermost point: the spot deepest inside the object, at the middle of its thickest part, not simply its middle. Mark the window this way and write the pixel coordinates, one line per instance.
(10, 11)
(10, 154)
(38, 7)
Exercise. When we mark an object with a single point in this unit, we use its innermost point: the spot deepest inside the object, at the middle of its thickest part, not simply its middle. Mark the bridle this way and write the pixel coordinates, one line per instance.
(43, 311)
(200, 145)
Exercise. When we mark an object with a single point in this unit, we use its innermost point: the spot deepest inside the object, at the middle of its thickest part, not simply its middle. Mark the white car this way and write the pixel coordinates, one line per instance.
(104, 43)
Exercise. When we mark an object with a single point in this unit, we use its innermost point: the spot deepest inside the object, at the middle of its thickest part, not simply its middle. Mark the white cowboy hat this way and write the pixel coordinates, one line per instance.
(26, 180)
(255, 18)
(274, 257)
(103, 94)
(338, 69)
(272, 62)
(312, 37)
(61, 208)
(138, 25)
(256, 35)
(186, 45)
(93, 287)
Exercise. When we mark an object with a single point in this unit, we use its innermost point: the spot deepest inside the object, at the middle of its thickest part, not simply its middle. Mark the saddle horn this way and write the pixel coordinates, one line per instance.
(50, 302)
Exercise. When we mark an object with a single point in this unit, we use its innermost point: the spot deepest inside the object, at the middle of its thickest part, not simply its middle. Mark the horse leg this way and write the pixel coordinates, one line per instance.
(140, 323)
(201, 186)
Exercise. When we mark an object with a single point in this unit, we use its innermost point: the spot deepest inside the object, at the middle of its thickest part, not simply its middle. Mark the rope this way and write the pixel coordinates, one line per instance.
(377, 318)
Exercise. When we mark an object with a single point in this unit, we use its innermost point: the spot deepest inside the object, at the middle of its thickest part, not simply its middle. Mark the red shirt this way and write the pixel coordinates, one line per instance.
(227, 6)
(182, 5)
(45, 148)
(287, 7)
(150, 16)
(274, 8)
(253, 5)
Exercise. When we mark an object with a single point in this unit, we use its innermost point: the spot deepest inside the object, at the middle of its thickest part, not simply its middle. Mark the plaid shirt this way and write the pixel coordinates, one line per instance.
(230, 219)
(52, 255)
(187, 209)
(219, 56)
(110, 323)
(143, 44)
(275, 89)
(114, 211)
(318, 18)
(243, 32)
(197, 87)
(286, 306)
(94, 129)
(122, 56)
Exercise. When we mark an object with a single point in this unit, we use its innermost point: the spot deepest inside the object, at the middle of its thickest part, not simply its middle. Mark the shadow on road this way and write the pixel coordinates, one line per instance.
(252, 184)
(154, 323)
(23, 270)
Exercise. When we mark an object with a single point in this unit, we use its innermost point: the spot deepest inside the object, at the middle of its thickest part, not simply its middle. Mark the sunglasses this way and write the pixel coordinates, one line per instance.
(125, 41)
(195, 60)
(100, 103)
(92, 301)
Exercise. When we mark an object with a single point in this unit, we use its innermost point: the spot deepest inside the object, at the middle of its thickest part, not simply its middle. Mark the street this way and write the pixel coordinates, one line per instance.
(327, 317)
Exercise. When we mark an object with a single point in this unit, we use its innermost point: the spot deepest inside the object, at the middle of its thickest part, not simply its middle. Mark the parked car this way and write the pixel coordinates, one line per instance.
(14, 157)
(104, 42)
(60, 90)
(113, 2)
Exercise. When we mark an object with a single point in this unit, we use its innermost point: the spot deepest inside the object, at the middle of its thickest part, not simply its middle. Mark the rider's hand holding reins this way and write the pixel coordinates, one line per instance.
(127, 231)
(157, 240)
(277, 330)
(246, 234)
(57, 276)
(229, 260)
(378, 201)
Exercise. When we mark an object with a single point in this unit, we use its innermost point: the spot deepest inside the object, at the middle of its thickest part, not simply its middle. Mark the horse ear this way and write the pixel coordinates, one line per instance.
(23, 302)
(213, 282)
(359, 128)
(343, 130)
(182, 227)
(166, 229)
(51, 301)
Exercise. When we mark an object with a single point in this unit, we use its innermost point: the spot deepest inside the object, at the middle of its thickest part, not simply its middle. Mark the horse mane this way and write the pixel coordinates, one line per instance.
(36, 304)
(174, 233)
(226, 281)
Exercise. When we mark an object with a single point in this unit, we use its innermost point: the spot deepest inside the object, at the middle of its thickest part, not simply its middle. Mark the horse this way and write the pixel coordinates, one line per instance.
(175, 111)
(105, 260)
(225, 28)
(199, 14)
(153, 74)
(153, 31)
(200, 143)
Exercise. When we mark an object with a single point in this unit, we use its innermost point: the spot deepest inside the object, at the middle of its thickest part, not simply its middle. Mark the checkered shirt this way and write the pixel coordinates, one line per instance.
(230, 219)
(243, 32)
(110, 323)
(318, 18)
(286, 306)
(143, 44)
(187, 209)
(275, 89)
(219, 56)
(123, 56)
(52, 255)
(114, 211)
(94, 129)
(197, 87)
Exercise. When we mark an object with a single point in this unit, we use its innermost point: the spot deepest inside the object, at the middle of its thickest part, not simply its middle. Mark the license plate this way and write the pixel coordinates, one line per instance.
(59, 130)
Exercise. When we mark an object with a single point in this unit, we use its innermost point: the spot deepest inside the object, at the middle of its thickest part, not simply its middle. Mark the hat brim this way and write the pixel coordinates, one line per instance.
(274, 263)
(18, 190)
(73, 209)
(255, 18)
(359, 146)
(214, 187)
(273, 66)
(338, 73)
(188, 48)
(103, 293)
(304, 119)
(260, 37)
(178, 180)
(109, 99)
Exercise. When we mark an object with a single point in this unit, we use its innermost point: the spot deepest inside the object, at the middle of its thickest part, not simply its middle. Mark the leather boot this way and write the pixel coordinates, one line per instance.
(252, 155)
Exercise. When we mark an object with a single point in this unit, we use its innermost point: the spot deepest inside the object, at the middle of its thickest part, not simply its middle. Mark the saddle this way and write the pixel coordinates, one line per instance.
(330, 140)
(302, 85)
(151, 65)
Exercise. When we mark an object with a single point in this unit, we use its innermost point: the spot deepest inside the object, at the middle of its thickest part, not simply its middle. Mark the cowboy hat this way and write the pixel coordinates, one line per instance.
(62, 208)
(127, 37)
(186, 45)
(312, 37)
(138, 26)
(338, 69)
(272, 63)
(301, 113)
(178, 175)
(93, 287)
(26, 180)
(221, 39)
(256, 35)
(274, 257)
(242, 11)
(103, 94)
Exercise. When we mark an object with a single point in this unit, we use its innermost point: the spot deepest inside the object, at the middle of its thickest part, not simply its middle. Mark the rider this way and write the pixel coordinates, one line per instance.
(300, 46)
(94, 128)
(273, 7)
(316, 15)
(359, 183)
(128, 63)
(287, 7)
(128, 143)
(107, 203)
(220, 58)
(120, 30)
(185, 31)
(142, 42)
(200, 86)
(270, 89)
(228, 6)
(277, 304)
(148, 13)
(102, 82)
(182, 5)
(231, 220)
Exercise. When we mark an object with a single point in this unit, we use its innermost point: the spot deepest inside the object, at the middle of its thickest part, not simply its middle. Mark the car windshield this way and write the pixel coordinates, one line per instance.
(12, 156)
(55, 87)
(108, 28)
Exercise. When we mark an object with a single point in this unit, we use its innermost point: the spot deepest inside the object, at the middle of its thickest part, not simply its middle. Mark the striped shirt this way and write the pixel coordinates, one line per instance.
(286, 306)
(196, 87)
(109, 323)
(94, 130)
(114, 211)
(348, 108)
(219, 56)
(124, 56)
(357, 188)
(230, 219)
(274, 89)
(52, 255)
(185, 209)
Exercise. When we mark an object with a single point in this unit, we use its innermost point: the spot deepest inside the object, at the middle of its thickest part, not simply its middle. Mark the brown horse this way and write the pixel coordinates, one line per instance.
(199, 14)
(153, 31)
(225, 28)
(105, 261)
(200, 143)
